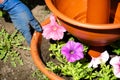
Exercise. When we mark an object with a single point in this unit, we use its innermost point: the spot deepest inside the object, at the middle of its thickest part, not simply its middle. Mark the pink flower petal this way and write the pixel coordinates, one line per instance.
(115, 62)
(52, 19)
(53, 30)
(103, 58)
(116, 72)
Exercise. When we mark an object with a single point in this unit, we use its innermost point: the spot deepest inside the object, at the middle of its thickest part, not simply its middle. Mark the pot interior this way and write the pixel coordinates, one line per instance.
(77, 9)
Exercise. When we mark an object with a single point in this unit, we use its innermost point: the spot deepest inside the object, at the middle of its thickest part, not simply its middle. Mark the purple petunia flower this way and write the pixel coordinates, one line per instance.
(73, 51)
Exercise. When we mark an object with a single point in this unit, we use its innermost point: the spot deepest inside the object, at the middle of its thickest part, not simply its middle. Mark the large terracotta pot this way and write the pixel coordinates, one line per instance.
(73, 16)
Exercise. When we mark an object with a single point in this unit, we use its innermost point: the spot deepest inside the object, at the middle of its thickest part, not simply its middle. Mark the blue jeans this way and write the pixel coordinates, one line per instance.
(22, 22)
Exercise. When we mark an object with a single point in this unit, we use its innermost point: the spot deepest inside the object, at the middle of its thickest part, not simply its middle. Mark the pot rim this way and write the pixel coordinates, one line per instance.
(74, 22)
(36, 40)
(35, 53)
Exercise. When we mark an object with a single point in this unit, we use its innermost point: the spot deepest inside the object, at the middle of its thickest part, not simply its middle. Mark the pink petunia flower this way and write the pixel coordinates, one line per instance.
(115, 62)
(53, 30)
(103, 58)
(73, 51)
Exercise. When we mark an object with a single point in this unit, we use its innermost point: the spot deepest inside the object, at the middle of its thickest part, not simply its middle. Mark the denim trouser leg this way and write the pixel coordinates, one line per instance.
(21, 23)
(35, 24)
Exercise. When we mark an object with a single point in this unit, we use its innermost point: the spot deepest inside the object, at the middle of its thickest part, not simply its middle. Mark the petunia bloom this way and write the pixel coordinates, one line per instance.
(103, 58)
(53, 30)
(73, 51)
(115, 62)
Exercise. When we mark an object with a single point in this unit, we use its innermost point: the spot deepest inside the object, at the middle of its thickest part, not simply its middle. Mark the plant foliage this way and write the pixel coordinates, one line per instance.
(77, 70)
(9, 45)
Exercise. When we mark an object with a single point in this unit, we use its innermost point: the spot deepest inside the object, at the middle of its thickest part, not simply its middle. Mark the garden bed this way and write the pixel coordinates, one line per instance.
(27, 70)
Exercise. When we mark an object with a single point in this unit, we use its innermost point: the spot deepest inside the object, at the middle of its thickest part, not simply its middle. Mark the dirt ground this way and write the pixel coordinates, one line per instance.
(22, 72)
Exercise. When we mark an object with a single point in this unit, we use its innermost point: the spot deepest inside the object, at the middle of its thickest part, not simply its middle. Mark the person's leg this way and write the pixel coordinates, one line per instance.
(35, 24)
(21, 23)
(32, 21)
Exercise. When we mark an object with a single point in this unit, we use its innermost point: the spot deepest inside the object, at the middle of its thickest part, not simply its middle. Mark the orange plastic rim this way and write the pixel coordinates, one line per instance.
(35, 53)
(74, 22)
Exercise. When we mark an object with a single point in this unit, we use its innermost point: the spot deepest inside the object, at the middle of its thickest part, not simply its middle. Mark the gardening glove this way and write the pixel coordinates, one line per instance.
(21, 17)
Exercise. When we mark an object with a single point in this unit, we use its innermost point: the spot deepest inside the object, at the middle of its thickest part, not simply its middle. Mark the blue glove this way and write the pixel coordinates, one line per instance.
(21, 17)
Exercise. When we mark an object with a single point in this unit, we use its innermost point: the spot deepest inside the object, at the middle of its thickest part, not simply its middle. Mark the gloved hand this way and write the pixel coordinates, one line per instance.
(21, 17)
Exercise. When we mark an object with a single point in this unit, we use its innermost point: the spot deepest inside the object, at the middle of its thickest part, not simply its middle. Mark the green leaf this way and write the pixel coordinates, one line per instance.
(1, 13)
